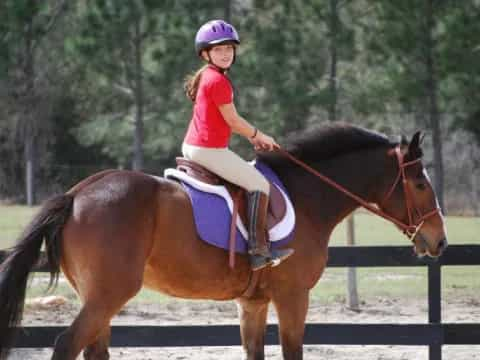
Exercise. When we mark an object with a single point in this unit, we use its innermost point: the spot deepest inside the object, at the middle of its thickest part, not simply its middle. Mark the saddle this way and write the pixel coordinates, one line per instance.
(277, 206)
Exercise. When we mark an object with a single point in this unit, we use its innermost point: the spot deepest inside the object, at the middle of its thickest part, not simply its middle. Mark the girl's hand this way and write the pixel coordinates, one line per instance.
(264, 142)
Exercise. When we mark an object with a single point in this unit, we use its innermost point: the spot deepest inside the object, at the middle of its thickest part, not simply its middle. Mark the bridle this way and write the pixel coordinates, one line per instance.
(413, 227)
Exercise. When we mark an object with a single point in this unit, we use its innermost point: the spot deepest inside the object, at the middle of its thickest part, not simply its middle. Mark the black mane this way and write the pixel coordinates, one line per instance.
(326, 142)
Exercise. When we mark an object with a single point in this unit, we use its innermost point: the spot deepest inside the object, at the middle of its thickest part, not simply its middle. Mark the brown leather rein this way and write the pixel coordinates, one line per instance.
(411, 229)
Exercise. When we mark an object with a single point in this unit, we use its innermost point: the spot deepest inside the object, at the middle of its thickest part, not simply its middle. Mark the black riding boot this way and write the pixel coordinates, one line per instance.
(260, 255)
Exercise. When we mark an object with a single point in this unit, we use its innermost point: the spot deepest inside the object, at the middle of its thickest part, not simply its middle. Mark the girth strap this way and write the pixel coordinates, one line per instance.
(233, 229)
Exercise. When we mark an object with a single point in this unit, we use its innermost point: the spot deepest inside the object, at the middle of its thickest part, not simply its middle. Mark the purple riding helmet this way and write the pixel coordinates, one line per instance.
(215, 32)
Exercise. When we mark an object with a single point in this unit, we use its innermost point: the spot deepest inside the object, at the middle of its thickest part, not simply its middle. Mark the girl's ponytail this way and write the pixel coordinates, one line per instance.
(191, 83)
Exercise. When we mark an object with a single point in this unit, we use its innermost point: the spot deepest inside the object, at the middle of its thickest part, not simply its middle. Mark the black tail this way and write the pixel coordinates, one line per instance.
(47, 225)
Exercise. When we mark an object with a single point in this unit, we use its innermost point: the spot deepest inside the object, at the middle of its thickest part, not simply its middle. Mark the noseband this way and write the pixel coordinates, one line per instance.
(412, 228)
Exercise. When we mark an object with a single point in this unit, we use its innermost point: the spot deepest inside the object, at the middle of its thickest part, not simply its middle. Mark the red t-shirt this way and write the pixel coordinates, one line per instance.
(208, 128)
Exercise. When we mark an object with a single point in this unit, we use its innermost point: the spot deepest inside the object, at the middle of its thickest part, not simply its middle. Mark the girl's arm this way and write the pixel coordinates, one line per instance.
(242, 127)
(237, 123)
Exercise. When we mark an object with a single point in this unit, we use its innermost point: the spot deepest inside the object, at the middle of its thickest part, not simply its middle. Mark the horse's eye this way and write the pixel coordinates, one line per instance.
(421, 186)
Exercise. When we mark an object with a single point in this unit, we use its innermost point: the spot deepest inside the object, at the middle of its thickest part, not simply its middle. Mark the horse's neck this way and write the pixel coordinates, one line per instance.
(360, 173)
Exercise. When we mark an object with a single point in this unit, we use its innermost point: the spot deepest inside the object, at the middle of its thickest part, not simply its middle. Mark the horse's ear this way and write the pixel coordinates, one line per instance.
(404, 144)
(415, 142)
(422, 137)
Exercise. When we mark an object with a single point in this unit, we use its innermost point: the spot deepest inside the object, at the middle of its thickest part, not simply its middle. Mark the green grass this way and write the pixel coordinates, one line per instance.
(402, 281)
(13, 219)
(371, 230)
(372, 282)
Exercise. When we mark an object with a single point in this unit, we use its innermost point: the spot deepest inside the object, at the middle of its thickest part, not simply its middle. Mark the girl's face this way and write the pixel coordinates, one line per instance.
(221, 55)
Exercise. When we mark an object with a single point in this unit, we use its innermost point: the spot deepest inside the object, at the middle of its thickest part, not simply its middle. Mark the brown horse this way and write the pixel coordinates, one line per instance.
(117, 231)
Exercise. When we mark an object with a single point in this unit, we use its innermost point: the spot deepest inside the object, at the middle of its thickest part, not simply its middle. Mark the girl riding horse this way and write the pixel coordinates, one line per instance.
(214, 119)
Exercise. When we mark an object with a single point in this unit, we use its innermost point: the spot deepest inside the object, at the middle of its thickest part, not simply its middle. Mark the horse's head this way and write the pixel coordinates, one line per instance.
(412, 200)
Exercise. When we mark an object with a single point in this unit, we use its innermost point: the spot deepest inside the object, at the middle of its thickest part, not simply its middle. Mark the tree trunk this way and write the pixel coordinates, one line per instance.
(137, 163)
(352, 293)
(332, 108)
(476, 207)
(30, 169)
(228, 11)
(29, 127)
(432, 93)
(474, 177)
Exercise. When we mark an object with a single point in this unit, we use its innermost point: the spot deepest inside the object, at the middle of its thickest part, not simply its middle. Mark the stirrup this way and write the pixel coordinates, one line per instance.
(278, 255)
(258, 262)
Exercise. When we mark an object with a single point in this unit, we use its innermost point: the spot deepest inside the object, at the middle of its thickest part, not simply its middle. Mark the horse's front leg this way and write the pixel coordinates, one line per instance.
(292, 307)
(253, 319)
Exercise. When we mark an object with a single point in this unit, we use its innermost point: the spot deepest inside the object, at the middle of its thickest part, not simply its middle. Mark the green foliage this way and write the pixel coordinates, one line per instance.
(281, 76)
(278, 71)
(30, 84)
(396, 45)
(396, 48)
(460, 63)
(105, 42)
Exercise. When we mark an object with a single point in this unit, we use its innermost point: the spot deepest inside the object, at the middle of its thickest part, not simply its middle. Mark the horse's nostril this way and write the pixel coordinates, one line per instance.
(442, 245)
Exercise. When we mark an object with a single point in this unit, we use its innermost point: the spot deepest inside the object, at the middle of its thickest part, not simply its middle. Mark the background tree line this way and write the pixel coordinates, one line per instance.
(90, 85)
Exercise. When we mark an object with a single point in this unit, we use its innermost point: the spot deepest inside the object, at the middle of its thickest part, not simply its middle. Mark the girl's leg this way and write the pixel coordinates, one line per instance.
(233, 168)
(229, 166)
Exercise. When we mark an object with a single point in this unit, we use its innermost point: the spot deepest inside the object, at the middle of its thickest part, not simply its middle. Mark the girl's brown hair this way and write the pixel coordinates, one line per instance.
(191, 83)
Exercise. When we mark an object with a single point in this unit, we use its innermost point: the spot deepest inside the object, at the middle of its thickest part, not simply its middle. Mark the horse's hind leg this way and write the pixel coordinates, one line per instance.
(91, 327)
(99, 349)
(253, 319)
(85, 330)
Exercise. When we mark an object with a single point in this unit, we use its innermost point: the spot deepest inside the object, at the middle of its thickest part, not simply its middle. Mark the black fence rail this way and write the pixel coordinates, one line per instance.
(433, 334)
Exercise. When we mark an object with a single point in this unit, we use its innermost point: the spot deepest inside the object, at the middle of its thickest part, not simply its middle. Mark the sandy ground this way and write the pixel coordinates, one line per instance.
(380, 310)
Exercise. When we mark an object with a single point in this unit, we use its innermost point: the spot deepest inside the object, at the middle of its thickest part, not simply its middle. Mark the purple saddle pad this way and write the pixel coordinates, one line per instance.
(213, 218)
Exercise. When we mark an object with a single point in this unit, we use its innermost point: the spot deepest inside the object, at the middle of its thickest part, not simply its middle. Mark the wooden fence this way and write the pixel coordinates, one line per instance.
(433, 334)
